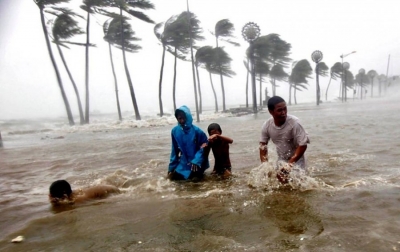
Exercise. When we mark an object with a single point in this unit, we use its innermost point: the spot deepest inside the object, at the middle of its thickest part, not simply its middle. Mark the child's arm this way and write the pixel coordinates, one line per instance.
(223, 138)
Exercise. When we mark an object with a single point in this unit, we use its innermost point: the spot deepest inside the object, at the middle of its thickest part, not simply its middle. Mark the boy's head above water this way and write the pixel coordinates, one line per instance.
(60, 189)
(214, 128)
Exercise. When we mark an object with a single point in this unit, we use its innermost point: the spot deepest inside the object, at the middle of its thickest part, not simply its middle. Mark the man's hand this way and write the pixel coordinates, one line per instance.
(195, 168)
(263, 152)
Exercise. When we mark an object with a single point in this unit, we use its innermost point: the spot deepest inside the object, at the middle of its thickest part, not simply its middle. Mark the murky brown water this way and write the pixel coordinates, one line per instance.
(348, 201)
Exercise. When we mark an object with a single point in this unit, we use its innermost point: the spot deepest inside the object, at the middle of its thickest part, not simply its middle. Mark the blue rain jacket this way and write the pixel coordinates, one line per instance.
(186, 142)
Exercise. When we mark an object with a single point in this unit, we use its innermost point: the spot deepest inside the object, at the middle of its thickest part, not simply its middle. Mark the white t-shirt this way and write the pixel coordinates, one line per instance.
(286, 137)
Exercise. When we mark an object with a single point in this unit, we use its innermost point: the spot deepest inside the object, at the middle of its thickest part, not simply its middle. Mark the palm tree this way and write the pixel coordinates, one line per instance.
(300, 73)
(64, 28)
(181, 37)
(107, 36)
(279, 54)
(336, 71)
(42, 4)
(247, 66)
(321, 69)
(202, 57)
(362, 80)
(165, 37)
(130, 8)
(90, 6)
(277, 73)
(224, 29)
(216, 61)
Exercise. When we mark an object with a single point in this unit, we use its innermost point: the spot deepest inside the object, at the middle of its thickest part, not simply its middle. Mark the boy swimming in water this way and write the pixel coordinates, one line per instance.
(219, 145)
(61, 193)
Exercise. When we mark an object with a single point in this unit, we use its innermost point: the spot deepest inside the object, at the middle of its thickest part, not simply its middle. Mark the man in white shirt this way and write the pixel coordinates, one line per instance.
(286, 133)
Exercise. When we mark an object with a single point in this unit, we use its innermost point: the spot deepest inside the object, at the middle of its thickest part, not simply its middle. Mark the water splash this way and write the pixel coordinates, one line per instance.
(265, 177)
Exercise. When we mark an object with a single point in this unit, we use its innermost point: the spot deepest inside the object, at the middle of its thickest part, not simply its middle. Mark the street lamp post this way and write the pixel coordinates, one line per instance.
(250, 33)
(317, 56)
(343, 87)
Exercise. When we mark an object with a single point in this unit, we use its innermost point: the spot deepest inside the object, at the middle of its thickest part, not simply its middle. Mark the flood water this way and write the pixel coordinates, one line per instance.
(349, 200)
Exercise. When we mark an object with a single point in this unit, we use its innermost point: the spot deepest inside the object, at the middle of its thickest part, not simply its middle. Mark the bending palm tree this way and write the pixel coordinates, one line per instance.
(129, 7)
(64, 28)
(300, 73)
(224, 29)
(107, 36)
(90, 7)
(336, 72)
(42, 4)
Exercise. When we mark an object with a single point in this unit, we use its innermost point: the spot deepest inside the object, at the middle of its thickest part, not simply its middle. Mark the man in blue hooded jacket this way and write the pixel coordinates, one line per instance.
(187, 160)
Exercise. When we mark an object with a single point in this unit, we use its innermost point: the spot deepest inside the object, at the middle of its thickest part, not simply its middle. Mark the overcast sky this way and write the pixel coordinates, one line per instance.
(28, 86)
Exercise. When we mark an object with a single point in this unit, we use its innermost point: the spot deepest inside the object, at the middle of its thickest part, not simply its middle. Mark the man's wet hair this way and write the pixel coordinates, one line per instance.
(214, 126)
(59, 188)
(273, 101)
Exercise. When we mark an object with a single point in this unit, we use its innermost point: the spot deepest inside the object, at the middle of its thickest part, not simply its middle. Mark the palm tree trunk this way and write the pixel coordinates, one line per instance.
(290, 93)
(82, 119)
(372, 86)
(115, 83)
(261, 90)
(223, 92)
(247, 85)
(128, 76)
(87, 68)
(215, 94)
(326, 92)
(160, 84)
(174, 83)
(65, 99)
(198, 85)
(295, 100)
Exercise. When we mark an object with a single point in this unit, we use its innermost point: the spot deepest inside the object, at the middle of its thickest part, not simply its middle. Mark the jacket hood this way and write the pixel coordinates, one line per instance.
(189, 118)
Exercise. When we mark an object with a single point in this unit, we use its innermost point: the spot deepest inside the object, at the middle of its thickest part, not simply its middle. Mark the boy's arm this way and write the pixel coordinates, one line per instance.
(96, 192)
(199, 156)
(223, 138)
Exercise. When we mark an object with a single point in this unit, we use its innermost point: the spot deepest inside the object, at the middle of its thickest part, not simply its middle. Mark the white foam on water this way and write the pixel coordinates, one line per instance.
(265, 177)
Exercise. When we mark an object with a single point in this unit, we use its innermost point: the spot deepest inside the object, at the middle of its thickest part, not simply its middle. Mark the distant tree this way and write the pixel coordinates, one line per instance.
(129, 7)
(181, 39)
(90, 6)
(279, 55)
(203, 56)
(300, 73)
(335, 72)
(224, 29)
(64, 28)
(277, 74)
(43, 4)
(361, 79)
(161, 31)
(107, 37)
(322, 70)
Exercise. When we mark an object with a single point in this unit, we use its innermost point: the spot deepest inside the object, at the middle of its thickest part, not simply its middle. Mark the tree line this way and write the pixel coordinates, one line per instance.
(177, 35)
